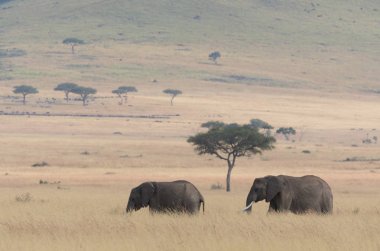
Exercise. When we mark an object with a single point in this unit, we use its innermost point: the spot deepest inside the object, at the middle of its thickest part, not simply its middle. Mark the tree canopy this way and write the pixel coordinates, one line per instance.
(73, 42)
(286, 131)
(230, 141)
(212, 124)
(84, 92)
(173, 92)
(123, 90)
(66, 88)
(214, 56)
(260, 124)
(25, 90)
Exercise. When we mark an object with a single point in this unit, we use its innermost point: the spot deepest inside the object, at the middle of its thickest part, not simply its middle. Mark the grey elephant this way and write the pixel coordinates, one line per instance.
(295, 194)
(178, 196)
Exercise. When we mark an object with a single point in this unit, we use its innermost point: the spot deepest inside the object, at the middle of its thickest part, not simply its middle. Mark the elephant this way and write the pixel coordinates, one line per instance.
(178, 196)
(298, 195)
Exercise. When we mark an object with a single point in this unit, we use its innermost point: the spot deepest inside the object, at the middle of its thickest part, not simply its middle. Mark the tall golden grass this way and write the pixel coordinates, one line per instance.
(93, 218)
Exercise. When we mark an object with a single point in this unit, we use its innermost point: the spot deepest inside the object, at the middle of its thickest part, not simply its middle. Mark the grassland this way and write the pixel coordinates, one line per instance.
(310, 65)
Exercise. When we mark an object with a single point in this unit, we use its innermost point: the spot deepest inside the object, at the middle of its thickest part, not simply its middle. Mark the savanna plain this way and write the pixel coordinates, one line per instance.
(310, 65)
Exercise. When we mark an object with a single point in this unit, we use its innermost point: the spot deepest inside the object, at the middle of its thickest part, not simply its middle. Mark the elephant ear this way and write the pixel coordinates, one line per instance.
(147, 191)
(274, 186)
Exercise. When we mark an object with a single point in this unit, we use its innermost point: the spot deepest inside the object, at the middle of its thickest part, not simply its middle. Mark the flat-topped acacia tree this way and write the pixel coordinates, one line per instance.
(172, 92)
(213, 56)
(84, 93)
(122, 92)
(286, 131)
(24, 90)
(261, 124)
(73, 42)
(66, 88)
(231, 141)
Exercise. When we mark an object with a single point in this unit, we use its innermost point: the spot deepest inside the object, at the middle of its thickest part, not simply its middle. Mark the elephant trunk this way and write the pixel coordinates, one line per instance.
(130, 207)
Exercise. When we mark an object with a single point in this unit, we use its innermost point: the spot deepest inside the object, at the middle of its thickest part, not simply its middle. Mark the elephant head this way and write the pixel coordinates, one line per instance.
(140, 196)
(263, 188)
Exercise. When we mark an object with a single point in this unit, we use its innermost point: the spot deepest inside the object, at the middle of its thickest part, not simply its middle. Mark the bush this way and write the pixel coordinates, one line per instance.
(217, 186)
(40, 164)
(25, 197)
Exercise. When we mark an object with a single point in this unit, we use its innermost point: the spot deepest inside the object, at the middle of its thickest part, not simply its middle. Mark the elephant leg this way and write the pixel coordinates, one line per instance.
(272, 207)
(279, 204)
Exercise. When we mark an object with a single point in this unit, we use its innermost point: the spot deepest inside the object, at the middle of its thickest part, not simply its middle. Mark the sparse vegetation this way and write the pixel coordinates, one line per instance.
(217, 186)
(24, 90)
(73, 42)
(84, 93)
(286, 131)
(295, 62)
(173, 92)
(231, 141)
(10, 53)
(66, 88)
(260, 124)
(214, 56)
(40, 164)
(24, 197)
(122, 93)
(212, 124)
(370, 140)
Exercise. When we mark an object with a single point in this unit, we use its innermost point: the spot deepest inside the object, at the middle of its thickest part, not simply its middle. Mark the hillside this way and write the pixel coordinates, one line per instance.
(316, 44)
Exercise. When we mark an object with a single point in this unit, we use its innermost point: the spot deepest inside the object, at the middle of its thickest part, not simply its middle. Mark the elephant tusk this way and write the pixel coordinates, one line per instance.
(248, 207)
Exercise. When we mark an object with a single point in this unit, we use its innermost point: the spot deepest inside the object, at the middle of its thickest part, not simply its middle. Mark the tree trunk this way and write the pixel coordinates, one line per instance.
(67, 97)
(121, 99)
(84, 98)
(171, 101)
(72, 49)
(228, 180)
(23, 100)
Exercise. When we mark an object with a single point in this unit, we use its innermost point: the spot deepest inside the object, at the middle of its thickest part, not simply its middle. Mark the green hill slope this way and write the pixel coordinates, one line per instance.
(318, 31)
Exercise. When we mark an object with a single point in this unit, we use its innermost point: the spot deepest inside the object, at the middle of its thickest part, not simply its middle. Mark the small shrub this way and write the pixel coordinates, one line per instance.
(42, 182)
(25, 197)
(217, 186)
(367, 141)
(40, 164)
(306, 151)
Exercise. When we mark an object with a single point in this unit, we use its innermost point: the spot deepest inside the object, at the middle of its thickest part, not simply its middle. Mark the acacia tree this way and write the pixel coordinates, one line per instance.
(261, 124)
(286, 131)
(73, 42)
(84, 92)
(24, 90)
(212, 124)
(66, 88)
(214, 56)
(231, 141)
(172, 92)
(122, 92)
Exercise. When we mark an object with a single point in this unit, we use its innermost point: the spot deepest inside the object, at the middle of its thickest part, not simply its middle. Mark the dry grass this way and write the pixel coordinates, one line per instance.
(93, 218)
(82, 206)
(80, 203)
